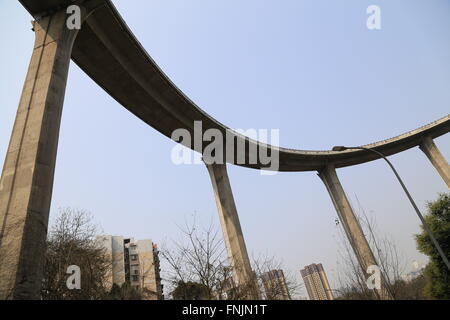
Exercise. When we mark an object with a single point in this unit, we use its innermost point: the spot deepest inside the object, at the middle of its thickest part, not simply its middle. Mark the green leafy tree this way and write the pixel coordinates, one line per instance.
(436, 273)
(191, 291)
(124, 292)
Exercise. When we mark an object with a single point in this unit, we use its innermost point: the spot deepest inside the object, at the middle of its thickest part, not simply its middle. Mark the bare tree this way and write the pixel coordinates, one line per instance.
(351, 279)
(273, 281)
(392, 265)
(200, 257)
(71, 241)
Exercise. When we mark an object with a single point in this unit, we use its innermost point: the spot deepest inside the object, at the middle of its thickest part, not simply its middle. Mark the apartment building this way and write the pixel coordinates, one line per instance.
(316, 282)
(134, 262)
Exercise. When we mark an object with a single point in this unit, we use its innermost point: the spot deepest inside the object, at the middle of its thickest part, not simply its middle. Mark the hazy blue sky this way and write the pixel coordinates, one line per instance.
(307, 67)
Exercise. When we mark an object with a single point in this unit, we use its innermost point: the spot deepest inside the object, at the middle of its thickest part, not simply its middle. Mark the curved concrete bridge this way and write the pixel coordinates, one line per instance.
(106, 50)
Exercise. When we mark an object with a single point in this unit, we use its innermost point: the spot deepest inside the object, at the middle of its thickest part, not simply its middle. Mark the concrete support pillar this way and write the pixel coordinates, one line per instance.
(231, 227)
(437, 159)
(351, 225)
(27, 178)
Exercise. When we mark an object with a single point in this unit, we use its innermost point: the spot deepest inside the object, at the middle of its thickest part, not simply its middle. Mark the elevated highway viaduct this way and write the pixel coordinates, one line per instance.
(108, 52)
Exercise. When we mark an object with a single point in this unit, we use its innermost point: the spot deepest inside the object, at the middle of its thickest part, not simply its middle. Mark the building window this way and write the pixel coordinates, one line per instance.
(136, 271)
(135, 278)
(134, 257)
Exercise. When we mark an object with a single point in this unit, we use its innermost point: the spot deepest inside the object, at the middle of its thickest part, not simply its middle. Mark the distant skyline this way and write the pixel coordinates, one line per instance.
(310, 68)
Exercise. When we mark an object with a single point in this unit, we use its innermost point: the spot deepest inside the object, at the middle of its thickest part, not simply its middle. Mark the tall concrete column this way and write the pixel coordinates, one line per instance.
(27, 178)
(437, 159)
(231, 227)
(351, 225)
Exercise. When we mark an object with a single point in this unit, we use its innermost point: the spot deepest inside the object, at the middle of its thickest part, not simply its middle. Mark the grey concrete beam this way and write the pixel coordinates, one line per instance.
(231, 227)
(112, 56)
(27, 179)
(436, 158)
(351, 225)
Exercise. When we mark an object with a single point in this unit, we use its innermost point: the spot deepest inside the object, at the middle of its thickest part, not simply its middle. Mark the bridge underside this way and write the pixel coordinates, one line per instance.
(109, 53)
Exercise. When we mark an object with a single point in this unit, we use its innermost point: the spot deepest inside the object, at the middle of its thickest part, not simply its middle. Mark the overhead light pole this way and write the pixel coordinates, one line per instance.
(425, 225)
